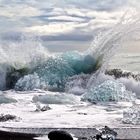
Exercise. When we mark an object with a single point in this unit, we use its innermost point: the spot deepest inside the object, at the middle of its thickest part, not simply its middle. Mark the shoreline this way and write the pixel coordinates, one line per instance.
(125, 133)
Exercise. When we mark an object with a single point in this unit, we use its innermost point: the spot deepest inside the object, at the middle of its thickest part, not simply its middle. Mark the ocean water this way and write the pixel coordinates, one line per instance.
(73, 84)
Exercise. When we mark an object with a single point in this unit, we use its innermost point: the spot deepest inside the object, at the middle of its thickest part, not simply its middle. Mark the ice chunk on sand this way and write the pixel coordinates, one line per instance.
(6, 100)
(58, 98)
(108, 91)
(132, 115)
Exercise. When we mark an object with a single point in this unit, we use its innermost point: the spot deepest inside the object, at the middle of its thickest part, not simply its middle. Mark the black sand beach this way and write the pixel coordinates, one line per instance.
(80, 133)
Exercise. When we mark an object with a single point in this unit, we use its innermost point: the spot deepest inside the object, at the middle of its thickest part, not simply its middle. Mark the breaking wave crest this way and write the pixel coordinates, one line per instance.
(27, 65)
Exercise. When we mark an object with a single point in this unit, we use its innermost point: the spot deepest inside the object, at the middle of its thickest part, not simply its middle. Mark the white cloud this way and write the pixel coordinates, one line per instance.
(75, 11)
(19, 11)
(67, 18)
(84, 20)
(51, 29)
(57, 17)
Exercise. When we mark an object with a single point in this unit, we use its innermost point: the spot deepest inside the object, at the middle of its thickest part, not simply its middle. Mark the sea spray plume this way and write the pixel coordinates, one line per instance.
(24, 53)
(51, 69)
(107, 44)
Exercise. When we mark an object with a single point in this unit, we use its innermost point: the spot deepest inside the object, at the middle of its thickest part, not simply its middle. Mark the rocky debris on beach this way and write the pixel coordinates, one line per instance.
(7, 117)
(59, 135)
(105, 133)
(39, 107)
(118, 73)
(43, 108)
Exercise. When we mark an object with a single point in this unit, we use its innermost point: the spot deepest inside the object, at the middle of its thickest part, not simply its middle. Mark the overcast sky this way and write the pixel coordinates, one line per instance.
(61, 24)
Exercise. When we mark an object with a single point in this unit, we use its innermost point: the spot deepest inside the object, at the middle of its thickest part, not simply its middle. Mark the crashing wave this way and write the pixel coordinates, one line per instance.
(80, 63)
(17, 56)
(56, 71)
(129, 79)
(108, 91)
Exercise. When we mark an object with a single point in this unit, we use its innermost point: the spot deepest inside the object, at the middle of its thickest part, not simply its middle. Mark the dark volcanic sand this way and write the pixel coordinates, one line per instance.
(80, 133)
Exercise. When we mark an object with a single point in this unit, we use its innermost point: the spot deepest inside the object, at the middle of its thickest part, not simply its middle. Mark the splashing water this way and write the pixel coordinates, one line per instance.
(105, 46)
(26, 53)
(27, 65)
(22, 53)
(63, 72)
(55, 71)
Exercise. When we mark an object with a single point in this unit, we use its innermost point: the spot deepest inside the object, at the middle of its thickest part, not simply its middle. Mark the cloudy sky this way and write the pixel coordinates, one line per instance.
(61, 24)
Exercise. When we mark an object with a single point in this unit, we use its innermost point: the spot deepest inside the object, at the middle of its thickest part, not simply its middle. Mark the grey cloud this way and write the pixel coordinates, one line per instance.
(101, 5)
(50, 10)
(49, 18)
(17, 36)
(68, 37)
(11, 36)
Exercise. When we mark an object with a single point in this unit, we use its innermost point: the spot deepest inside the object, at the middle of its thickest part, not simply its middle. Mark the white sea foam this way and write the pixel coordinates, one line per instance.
(131, 85)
